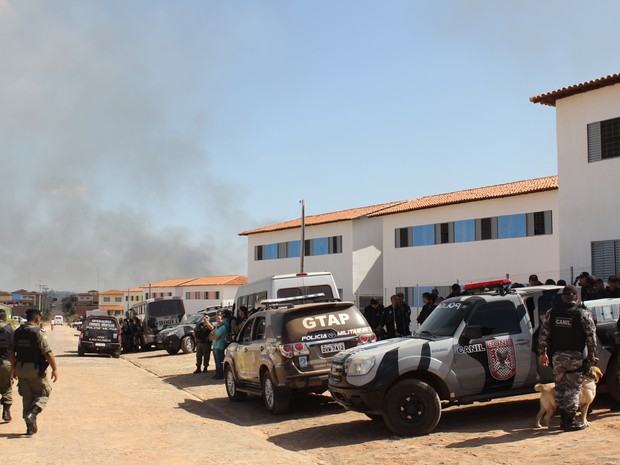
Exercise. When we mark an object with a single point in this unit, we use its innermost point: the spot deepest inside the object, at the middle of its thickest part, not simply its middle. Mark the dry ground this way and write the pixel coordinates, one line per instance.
(149, 408)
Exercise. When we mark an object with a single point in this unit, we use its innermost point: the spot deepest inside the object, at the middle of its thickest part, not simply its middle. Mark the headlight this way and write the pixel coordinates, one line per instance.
(360, 365)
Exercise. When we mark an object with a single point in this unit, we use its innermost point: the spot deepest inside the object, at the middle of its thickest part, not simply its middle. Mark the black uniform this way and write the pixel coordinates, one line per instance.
(203, 346)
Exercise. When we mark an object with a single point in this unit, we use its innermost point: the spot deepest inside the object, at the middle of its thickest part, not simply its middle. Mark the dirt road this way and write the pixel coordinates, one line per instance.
(148, 408)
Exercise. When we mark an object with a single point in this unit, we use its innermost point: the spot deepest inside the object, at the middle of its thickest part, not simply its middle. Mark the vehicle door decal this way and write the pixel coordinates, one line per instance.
(502, 358)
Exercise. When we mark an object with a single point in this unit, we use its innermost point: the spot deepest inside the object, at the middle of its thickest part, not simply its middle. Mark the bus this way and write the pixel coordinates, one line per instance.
(155, 315)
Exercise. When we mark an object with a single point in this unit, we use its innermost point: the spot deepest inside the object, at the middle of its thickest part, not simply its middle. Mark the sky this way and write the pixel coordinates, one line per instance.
(138, 139)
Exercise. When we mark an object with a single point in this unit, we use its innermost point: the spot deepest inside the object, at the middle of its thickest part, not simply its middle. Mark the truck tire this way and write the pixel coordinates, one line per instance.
(231, 386)
(412, 408)
(80, 351)
(611, 376)
(187, 345)
(276, 402)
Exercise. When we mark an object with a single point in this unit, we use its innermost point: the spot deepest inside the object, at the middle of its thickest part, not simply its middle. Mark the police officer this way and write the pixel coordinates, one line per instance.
(30, 355)
(374, 315)
(567, 330)
(6, 382)
(203, 343)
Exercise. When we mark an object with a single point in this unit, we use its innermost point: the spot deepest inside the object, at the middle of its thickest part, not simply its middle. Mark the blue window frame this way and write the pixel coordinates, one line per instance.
(424, 235)
(270, 252)
(464, 231)
(511, 226)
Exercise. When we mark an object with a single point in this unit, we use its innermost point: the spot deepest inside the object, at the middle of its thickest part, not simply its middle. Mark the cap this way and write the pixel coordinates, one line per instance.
(374, 301)
(569, 290)
(533, 277)
(584, 274)
(612, 279)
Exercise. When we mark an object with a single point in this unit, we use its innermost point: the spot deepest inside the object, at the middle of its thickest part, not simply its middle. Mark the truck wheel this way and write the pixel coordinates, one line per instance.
(80, 351)
(187, 345)
(116, 354)
(276, 402)
(231, 386)
(412, 408)
(611, 376)
(172, 350)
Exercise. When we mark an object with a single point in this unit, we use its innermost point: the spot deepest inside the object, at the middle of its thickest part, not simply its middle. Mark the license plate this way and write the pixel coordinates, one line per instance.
(333, 347)
(99, 344)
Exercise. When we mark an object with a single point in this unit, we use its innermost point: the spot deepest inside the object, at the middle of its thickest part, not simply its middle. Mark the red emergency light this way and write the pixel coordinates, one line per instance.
(488, 284)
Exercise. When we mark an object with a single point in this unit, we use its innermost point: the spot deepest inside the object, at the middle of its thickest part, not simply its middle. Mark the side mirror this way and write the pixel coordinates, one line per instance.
(230, 337)
(472, 332)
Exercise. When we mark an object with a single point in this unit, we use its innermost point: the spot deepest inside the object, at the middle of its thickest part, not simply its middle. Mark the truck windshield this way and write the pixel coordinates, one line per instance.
(444, 320)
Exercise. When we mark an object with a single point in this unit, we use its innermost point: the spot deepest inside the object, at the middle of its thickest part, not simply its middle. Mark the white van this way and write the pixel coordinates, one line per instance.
(286, 285)
(59, 320)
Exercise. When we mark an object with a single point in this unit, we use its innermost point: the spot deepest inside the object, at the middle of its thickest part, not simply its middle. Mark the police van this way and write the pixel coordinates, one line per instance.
(155, 315)
(286, 285)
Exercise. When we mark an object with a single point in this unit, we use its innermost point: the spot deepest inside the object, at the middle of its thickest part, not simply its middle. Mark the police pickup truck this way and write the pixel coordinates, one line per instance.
(472, 348)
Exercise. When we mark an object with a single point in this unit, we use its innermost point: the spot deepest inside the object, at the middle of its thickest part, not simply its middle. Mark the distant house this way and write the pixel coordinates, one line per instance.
(197, 293)
(112, 302)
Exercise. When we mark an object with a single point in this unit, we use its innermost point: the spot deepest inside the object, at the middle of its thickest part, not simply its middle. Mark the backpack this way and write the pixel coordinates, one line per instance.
(5, 340)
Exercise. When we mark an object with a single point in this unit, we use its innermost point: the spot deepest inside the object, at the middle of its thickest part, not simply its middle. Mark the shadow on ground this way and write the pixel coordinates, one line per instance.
(515, 418)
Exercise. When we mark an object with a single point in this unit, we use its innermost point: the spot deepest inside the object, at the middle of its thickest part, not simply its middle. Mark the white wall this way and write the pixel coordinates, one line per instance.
(589, 192)
(445, 264)
(367, 267)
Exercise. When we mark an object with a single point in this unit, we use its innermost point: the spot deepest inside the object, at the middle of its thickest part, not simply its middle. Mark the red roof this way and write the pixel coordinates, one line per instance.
(529, 186)
(550, 98)
(230, 280)
(334, 217)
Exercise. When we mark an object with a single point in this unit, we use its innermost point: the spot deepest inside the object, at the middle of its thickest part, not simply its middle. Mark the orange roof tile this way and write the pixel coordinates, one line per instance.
(232, 280)
(529, 186)
(169, 283)
(549, 98)
(334, 217)
(112, 292)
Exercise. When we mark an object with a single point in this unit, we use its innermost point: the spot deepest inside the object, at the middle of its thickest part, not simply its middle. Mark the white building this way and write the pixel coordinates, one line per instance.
(347, 243)
(198, 293)
(508, 230)
(477, 234)
(588, 141)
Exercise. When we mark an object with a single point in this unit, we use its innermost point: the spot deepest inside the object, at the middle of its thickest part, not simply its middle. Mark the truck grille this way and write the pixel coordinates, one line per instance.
(337, 371)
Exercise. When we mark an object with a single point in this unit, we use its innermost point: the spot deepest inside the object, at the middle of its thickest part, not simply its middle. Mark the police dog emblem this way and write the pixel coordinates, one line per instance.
(502, 358)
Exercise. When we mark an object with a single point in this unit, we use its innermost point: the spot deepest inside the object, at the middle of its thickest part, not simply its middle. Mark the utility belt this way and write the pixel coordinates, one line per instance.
(41, 366)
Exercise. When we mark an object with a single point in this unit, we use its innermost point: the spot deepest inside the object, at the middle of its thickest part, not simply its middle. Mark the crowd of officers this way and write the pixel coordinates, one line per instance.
(25, 355)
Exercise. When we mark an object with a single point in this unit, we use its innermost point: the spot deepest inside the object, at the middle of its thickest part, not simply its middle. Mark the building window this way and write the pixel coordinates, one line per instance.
(294, 249)
(424, 235)
(605, 258)
(217, 295)
(539, 223)
(603, 140)
(444, 233)
(106, 299)
(511, 226)
(403, 237)
(258, 253)
(486, 229)
(197, 295)
(188, 296)
(465, 231)
(118, 299)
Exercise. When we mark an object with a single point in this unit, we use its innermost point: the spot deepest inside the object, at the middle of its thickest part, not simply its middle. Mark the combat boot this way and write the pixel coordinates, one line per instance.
(31, 420)
(6, 412)
(572, 424)
(562, 418)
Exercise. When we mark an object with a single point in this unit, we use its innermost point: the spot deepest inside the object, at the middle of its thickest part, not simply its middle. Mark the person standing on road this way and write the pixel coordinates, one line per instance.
(30, 354)
(374, 315)
(218, 336)
(567, 330)
(6, 382)
(202, 330)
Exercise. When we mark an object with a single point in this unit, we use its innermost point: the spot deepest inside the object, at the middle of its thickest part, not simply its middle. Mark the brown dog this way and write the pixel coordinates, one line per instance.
(586, 396)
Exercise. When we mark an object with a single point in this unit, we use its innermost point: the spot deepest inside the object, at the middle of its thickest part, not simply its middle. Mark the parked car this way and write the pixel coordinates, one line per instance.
(181, 336)
(286, 348)
(100, 334)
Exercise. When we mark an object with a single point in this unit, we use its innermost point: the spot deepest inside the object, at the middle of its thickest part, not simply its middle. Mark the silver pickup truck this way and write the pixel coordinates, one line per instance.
(472, 348)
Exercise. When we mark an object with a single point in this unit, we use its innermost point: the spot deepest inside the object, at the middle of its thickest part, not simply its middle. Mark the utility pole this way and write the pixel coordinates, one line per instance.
(303, 234)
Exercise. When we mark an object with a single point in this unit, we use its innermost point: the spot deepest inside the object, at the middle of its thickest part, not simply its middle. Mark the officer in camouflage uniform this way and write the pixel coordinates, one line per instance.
(30, 355)
(6, 382)
(567, 330)
(203, 343)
